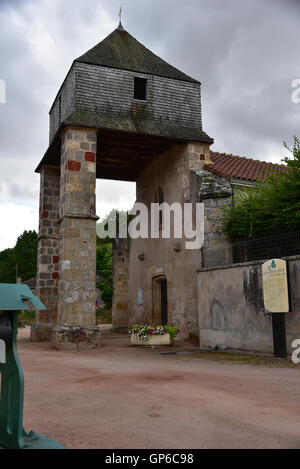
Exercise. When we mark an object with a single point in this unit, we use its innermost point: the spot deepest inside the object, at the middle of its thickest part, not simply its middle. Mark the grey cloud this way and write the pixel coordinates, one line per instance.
(245, 53)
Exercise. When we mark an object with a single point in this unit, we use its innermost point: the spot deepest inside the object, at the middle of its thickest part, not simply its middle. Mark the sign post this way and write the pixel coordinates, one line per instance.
(14, 298)
(276, 300)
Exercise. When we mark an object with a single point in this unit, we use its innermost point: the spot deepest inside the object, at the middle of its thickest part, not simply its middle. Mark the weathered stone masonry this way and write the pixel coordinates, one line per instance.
(48, 253)
(67, 245)
(77, 262)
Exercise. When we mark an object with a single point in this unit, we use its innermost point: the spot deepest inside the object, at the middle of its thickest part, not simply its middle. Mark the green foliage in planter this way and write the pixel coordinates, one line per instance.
(172, 331)
(273, 206)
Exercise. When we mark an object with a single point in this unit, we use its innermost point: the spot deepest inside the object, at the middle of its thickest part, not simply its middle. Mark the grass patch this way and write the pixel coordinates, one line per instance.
(243, 359)
(104, 316)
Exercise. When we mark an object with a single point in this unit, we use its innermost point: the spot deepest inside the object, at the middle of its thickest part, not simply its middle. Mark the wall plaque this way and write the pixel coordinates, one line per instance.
(275, 286)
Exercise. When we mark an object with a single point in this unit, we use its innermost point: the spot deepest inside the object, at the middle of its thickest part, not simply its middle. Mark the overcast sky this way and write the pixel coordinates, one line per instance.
(244, 52)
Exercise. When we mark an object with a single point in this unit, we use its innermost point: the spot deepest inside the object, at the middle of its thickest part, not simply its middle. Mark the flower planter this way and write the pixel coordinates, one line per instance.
(153, 341)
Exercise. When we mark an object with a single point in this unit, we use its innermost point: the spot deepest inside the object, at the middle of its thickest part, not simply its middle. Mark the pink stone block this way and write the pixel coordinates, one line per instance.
(90, 156)
(73, 165)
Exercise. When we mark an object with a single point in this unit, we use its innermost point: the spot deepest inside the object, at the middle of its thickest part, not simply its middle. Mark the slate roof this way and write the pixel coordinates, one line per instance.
(230, 166)
(122, 51)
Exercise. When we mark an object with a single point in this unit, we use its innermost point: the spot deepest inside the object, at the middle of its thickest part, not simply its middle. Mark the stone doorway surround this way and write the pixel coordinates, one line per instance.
(157, 313)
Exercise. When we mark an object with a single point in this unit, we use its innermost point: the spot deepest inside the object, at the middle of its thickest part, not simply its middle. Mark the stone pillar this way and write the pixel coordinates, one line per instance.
(76, 324)
(48, 254)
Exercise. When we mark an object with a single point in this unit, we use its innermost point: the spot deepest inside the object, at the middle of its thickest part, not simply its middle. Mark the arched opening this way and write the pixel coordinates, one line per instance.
(112, 254)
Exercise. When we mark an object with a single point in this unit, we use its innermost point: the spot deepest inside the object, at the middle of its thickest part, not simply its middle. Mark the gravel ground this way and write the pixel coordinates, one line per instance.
(120, 397)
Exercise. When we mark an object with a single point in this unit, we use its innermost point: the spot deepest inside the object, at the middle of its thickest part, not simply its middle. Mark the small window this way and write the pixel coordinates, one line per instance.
(140, 89)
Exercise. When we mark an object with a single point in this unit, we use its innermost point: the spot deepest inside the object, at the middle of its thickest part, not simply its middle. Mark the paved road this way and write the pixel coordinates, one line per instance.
(122, 397)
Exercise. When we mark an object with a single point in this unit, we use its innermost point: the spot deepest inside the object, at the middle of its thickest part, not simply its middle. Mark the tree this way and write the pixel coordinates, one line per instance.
(105, 253)
(7, 266)
(273, 206)
(26, 255)
(104, 258)
(104, 270)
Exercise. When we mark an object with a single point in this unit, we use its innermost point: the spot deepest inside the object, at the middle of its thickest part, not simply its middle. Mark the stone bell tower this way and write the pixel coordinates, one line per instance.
(118, 107)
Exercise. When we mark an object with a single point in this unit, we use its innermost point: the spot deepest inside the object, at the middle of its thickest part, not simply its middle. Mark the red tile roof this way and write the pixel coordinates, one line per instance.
(230, 166)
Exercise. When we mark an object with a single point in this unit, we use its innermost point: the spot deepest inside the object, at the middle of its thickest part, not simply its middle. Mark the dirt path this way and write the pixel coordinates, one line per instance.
(121, 397)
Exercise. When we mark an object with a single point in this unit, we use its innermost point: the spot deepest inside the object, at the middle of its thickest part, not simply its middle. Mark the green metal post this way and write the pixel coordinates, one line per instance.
(12, 433)
(12, 393)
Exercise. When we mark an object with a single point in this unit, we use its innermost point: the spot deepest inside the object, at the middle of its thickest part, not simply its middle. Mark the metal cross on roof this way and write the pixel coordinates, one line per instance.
(120, 27)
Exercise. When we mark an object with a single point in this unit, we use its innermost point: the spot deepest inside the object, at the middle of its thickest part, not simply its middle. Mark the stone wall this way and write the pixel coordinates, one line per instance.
(214, 191)
(217, 249)
(231, 307)
(48, 253)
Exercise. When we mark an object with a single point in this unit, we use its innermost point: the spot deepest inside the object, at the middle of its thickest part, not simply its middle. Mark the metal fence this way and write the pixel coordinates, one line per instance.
(275, 245)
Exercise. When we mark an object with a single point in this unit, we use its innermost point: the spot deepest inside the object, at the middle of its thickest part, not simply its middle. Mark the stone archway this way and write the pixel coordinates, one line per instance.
(101, 126)
(66, 278)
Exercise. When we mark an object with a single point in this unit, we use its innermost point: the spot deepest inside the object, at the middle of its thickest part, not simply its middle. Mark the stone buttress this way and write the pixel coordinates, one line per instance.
(76, 321)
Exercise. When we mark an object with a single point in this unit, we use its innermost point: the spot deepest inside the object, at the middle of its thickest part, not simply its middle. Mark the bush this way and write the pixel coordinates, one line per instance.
(273, 206)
